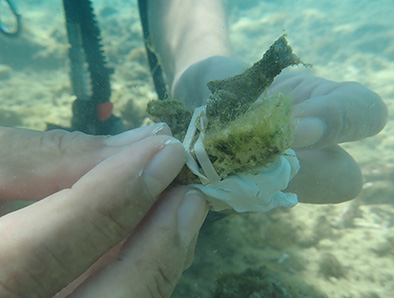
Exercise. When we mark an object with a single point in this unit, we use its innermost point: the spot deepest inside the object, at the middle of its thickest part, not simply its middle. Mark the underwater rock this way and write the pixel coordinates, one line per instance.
(251, 283)
(10, 118)
(264, 282)
(329, 266)
(5, 72)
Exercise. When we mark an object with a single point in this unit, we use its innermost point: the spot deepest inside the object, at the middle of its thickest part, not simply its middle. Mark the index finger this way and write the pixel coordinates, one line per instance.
(35, 164)
(328, 113)
(346, 112)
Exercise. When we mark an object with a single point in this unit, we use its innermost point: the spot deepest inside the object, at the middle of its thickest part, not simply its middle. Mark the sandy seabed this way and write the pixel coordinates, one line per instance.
(344, 250)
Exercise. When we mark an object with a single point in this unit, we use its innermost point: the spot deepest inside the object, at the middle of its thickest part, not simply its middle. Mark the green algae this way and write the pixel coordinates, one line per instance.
(252, 140)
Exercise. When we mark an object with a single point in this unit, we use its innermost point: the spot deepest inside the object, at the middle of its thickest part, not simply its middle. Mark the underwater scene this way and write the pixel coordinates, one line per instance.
(311, 250)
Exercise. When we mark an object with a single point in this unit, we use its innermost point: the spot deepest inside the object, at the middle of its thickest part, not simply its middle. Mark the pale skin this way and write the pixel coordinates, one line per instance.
(108, 197)
(95, 193)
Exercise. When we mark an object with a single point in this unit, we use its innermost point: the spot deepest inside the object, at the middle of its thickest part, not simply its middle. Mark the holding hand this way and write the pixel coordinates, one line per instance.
(325, 114)
(105, 196)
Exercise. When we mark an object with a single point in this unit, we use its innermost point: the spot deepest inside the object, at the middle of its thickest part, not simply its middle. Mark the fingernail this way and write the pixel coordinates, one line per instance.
(164, 166)
(191, 215)
(308, 131)
(135, 135)
(161, 129)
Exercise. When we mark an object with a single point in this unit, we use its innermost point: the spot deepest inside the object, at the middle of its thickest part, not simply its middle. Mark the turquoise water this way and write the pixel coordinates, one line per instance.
(343, 250)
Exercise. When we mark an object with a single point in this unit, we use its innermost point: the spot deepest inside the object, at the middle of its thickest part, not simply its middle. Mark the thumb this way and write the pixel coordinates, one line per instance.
(154, 257)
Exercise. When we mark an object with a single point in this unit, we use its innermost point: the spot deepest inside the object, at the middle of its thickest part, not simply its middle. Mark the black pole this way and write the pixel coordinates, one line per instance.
(155, 67)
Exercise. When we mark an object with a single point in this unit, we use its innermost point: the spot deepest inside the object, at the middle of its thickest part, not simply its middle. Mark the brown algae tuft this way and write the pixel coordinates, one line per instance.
(232, 97)
(172, 112)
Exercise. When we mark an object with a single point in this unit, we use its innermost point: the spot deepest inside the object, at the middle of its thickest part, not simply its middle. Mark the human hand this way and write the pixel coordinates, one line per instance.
(326, 113)
(116, 200)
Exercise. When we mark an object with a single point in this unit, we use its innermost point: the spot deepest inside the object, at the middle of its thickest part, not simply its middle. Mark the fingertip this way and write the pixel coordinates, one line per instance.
(135, 135)
(162, 129)
(191, 215)
(164, 166)
(308, 131)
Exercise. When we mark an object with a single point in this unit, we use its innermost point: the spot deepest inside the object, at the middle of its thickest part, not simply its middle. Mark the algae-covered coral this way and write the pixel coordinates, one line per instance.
(244, 129)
